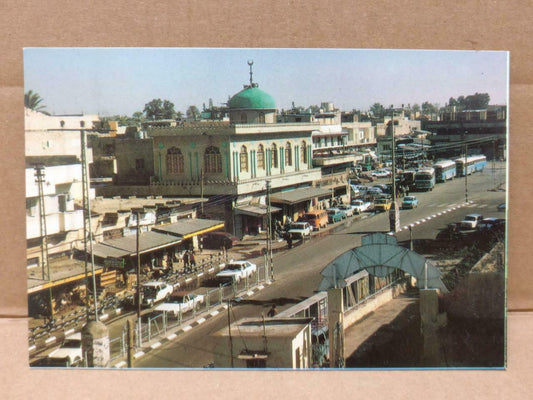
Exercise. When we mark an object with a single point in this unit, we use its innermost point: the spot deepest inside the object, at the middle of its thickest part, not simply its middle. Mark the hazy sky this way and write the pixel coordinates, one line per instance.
(109, 81)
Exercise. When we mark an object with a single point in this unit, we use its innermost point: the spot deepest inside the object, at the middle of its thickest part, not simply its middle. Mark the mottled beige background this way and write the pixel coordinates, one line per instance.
(423, 24)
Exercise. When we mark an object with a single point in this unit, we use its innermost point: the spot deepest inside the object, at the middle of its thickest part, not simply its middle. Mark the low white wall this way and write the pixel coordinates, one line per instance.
(366, 307)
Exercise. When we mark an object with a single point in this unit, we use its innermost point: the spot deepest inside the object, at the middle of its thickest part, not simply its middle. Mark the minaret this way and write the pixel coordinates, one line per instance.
(252, 84)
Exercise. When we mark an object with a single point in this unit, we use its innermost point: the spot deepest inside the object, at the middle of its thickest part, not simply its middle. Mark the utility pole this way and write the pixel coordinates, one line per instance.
(39, 174)
(138, 269)
(202, 190)
(394, 213)
(466, 171)
(270, 264)
(229, 332)
(87, 225)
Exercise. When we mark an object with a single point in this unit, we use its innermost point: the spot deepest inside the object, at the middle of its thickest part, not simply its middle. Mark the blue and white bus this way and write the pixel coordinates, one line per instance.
(473, 164)
(444, 170)
(425, 179)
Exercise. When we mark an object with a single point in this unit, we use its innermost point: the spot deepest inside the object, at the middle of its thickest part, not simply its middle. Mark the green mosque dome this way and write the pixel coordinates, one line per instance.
(252, 98)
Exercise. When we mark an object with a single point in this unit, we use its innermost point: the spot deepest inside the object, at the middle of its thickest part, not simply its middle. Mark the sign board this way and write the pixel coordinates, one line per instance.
(114, 262)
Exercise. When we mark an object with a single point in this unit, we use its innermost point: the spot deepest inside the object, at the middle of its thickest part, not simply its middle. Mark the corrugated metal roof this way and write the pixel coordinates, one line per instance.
(298, 195)
(188, 227)
(127, 245)
(255, 209)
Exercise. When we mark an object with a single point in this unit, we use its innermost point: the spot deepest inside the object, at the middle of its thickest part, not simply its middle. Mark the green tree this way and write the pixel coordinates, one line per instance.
(192, 113)
(33, 101)
(428, 108)
(159, 109)
(377, 109)
(477, 101)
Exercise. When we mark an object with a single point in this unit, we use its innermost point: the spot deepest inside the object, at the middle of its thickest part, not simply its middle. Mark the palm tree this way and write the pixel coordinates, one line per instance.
(33, 101)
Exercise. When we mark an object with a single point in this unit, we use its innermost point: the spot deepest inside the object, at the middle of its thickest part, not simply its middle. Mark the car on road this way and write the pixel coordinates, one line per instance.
(70, 352)
(335, 215)
(409, 202)
(382, 204)
(154, 292)
(374, 191)
(317, 219)
(347, 208)
(381, 173)
(181, 302)
(300, 229)
(236, 271)
(218, 240)
(495, 225)
(471, 221)
(360, 206)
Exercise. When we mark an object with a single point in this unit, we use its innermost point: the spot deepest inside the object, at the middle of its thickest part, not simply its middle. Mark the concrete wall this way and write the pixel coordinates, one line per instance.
(369, 305)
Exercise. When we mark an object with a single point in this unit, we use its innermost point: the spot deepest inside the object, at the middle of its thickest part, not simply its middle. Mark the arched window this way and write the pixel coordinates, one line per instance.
(212, 160)
(261, 118)
(243, 157)
(174, 160)
(244, 118)
(261, 157)
(303, 153)
(274, 156)
(288, 154)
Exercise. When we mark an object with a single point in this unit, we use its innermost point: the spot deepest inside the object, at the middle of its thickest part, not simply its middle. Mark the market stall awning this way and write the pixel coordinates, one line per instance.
(186, 228)
(61, 272)
(299, 195)
(255, 210)
(127, 245)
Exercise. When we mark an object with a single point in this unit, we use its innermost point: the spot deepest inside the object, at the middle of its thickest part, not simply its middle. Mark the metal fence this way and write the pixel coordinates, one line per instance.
(158, 323)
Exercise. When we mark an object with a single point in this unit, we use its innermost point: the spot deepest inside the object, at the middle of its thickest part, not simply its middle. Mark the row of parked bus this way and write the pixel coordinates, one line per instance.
(441, 171)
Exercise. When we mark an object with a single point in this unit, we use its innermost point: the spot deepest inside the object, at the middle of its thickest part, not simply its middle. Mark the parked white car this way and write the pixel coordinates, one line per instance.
(154, 292)
(237, 270)
(360, 206)
(70, 352)
(181, 302)
(300, 229)
(471, 221)
(347, 208)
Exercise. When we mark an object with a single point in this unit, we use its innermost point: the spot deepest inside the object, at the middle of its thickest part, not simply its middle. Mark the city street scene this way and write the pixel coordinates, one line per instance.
(266, 208)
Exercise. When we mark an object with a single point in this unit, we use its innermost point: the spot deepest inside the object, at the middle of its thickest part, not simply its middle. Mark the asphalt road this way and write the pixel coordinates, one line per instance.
(297, 272)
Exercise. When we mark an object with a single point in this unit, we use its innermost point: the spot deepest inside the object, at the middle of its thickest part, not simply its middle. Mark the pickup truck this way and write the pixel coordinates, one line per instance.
(70, 353)
(237, 270)
(181, 302)
(154, 292)
(360, 206)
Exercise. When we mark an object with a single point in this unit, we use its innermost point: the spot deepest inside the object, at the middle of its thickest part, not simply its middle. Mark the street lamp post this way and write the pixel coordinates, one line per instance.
(394, 213)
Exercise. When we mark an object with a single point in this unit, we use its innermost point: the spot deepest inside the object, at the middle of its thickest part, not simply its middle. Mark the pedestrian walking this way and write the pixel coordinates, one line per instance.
(273, 311)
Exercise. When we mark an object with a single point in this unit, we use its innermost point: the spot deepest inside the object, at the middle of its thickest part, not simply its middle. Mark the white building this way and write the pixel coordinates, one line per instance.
(54, 142)
(268, 343)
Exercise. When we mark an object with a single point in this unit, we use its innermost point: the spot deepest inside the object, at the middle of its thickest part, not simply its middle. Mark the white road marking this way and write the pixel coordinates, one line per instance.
(71, 330)
(50, 339)
(188, 280)
(211, 270)
(214, 313)
(249, 293)
(200, 321)
(186, 328)
(31, 348)
(172, 336)
(104, 317)
(260, 287)
(118, 310)
(155, 345)
(138, 354)
(121, 364)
